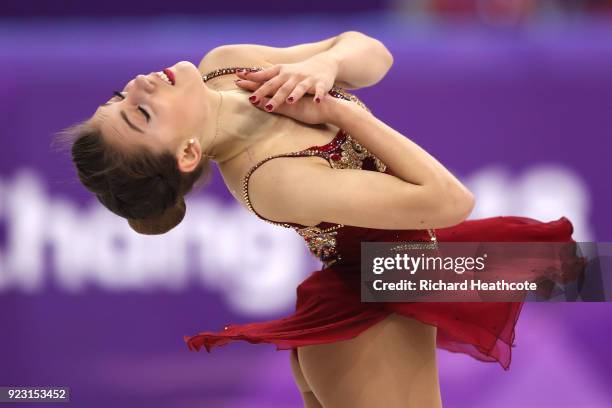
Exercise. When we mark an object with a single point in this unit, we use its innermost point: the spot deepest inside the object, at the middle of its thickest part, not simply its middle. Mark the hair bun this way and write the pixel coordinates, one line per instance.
(163, 223)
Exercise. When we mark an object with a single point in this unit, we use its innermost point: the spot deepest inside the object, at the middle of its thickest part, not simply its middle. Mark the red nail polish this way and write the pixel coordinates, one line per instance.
(318, 100)
(252, 98)
(290, 99)
(269, 106)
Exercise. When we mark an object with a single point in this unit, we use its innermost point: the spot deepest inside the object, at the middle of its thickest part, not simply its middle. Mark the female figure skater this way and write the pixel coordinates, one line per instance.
(299, 151)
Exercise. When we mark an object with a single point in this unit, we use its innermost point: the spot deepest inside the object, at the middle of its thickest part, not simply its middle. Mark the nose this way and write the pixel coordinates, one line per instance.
(143, 83)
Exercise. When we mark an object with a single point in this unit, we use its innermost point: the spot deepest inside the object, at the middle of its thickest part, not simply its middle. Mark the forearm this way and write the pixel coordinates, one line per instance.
(361, 60)
(407, 160)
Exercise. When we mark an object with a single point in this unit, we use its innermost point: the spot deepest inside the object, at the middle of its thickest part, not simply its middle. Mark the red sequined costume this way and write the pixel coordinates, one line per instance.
(328, 306)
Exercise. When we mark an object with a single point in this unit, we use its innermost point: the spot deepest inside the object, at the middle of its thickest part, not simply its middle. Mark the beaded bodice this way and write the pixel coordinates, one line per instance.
(342, 152)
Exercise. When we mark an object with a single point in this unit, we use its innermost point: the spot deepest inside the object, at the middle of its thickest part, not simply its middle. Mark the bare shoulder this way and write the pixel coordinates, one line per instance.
(239, 55)
(260, 55)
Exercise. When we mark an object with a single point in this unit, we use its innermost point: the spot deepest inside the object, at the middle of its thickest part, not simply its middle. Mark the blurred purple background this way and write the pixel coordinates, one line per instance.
(515, 97)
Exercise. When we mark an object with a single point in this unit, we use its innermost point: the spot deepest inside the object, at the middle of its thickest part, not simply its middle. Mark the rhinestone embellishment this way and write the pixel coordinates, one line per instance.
(320, 241)
(228, 70)
(352, 156)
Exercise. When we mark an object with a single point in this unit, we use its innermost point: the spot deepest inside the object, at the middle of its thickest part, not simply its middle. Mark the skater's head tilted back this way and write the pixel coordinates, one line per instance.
(146, 147)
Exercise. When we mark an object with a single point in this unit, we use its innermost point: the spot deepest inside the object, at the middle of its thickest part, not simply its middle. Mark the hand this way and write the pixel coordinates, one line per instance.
(306, 110)
(289, 82)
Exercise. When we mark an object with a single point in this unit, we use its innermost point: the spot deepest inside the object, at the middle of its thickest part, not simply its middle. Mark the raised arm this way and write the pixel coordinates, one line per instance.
(359, 59)
(421, 194)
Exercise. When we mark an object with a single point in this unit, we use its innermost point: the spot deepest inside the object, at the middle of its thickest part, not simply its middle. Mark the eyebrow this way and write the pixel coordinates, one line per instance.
(130, 124)
(125, 118)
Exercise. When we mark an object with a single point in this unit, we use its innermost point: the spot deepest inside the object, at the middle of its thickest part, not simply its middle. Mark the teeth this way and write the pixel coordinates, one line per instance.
(163, 76)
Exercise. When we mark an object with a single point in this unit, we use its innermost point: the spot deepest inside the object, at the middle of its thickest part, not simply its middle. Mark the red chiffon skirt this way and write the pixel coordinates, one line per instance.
(329, 308)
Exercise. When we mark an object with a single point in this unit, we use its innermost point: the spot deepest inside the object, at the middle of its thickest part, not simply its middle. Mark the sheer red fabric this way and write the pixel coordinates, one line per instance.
(328, 306)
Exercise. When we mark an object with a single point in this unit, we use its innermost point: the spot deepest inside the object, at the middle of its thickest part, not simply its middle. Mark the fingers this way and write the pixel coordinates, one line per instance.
(260, 76)
(299, 91)
(271, 88)
(280, 96)
(260, 104)
(247, 85)
(268, 88)
(257, 97)
(278, 109)
(319, 92)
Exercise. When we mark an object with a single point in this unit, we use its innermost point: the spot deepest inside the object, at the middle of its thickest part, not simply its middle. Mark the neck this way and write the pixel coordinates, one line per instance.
(235, 123)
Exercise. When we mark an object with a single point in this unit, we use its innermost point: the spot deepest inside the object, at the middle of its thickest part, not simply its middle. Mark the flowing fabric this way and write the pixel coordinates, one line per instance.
(328, 303)
(329, 308)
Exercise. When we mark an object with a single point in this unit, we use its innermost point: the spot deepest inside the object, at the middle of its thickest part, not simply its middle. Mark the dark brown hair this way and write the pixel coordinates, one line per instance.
(144, 187)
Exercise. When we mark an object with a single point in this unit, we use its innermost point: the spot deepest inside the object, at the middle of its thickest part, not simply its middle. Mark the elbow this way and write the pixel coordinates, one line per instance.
(378, 48)
(467, 206)
(459, 206)
(386, 55)
(441, 207)
(453, 208)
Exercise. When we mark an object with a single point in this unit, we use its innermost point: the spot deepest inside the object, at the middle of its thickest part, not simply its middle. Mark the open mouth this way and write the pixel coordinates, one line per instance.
(167, 76)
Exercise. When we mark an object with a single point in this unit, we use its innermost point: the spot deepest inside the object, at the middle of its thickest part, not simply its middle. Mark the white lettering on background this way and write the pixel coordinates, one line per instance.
(220, 247)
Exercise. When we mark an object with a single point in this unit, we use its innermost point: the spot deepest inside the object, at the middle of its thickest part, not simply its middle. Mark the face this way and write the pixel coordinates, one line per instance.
(156, 110)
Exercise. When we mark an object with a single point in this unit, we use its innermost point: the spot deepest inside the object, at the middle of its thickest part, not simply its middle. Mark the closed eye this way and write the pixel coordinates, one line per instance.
(145, 113)
(140, 108)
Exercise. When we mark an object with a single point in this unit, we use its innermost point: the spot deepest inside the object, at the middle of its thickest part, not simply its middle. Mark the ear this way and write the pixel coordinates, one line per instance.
(189, 155)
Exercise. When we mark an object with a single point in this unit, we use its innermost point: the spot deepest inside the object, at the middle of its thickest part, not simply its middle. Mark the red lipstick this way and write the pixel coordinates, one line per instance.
(170, 75)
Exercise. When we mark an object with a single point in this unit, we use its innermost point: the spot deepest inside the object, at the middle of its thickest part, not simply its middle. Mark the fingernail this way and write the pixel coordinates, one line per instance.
(318, 100)
(237, 80)
(269, 107)
(252, 98)
(290, 99)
